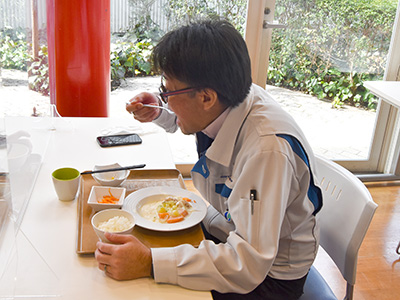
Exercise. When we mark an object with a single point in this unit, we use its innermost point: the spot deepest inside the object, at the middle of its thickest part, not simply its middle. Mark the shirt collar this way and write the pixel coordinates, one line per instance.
(212, 129)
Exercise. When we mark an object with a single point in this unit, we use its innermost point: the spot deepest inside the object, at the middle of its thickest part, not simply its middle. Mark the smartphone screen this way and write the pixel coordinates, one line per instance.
(119, 140)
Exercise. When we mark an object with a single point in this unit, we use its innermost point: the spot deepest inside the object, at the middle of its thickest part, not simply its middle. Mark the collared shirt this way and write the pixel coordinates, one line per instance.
(212, 129)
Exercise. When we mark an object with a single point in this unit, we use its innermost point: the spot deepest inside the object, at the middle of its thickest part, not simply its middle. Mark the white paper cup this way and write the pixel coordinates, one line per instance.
(66, 183)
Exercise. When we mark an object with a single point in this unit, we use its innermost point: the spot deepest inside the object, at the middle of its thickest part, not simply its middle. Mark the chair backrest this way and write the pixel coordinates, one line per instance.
(344, 219)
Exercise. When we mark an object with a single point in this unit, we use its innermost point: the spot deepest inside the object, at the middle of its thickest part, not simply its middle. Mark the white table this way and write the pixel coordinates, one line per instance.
(388, 91)
(43, 262)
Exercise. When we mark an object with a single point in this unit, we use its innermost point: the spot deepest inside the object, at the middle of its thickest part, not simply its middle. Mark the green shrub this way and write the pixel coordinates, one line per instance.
(331, 47)
(131, 51)
(13, 49)
(130, 56)
(14, 53)
(39, 73)
(130, 59)
(181, 12)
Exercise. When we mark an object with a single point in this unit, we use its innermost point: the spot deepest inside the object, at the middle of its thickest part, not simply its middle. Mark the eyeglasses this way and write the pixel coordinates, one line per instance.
(164, 94)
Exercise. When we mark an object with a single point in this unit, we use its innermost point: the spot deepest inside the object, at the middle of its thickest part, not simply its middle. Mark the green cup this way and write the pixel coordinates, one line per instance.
(66, 183)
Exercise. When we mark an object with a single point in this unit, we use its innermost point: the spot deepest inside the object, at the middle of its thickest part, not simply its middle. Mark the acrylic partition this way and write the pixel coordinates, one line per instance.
(23, 144)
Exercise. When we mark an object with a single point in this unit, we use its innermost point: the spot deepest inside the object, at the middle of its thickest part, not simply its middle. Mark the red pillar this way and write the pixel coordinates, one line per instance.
(79, 56)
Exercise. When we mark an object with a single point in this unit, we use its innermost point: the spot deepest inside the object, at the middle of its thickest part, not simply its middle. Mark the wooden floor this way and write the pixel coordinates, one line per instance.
(378, 272)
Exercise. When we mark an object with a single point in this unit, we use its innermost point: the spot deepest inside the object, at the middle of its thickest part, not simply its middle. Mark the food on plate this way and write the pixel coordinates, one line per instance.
(115, 224)
(108, 198)
(170, 210)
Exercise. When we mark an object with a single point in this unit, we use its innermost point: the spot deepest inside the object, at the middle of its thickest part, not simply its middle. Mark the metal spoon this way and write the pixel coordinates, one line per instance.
(154, 106)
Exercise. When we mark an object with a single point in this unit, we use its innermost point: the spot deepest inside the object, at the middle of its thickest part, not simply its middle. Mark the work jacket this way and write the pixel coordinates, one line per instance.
(259, 178)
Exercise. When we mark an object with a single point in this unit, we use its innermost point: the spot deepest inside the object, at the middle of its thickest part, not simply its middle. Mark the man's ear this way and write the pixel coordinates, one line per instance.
(209, 98)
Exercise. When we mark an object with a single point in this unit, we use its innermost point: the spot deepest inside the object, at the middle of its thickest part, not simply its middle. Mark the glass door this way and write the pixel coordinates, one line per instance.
(318, 54)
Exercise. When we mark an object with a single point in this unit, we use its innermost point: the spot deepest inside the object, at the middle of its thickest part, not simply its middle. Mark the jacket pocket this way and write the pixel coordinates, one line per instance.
(251, 220)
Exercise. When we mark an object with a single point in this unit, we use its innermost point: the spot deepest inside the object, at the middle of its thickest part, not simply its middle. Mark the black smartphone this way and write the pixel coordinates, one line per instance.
(119, 140)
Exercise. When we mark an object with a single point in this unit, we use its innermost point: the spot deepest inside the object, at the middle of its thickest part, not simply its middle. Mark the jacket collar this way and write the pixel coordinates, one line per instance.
(221, 150)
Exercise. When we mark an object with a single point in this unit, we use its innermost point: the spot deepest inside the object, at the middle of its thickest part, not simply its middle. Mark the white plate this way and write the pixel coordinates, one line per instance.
(136, 200)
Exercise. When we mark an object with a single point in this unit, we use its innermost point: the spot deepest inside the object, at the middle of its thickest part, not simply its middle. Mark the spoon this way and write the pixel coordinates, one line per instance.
(154, 106)
(157, 106)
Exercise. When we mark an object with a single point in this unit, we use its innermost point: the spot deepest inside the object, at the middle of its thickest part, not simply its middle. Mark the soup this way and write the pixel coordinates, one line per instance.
(169, 210)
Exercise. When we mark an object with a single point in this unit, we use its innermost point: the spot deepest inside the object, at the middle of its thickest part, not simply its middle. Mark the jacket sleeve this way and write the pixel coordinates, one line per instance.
(241, 263)
(167, 120)
(216, 224)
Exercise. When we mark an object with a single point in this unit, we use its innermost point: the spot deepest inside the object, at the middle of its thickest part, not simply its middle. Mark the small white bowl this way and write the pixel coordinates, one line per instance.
(106, 215)
(18, 154)
(114, 178)
(98, 192)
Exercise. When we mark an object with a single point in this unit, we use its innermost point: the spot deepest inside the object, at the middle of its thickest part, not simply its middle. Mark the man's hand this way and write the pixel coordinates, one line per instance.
(141, 113)
(127, 258)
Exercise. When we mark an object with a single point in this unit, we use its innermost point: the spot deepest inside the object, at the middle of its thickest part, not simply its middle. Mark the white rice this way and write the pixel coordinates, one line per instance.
(115, 224)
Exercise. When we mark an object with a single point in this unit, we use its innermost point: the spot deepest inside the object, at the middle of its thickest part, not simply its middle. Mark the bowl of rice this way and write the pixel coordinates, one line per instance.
(114, 221)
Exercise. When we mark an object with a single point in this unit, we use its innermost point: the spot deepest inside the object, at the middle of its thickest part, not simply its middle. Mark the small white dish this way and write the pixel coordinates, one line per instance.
(105, 216)
(98, 192)
(114, 178)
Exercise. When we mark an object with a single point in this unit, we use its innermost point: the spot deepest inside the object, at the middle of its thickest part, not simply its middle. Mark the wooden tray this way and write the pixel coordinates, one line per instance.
(87, 238)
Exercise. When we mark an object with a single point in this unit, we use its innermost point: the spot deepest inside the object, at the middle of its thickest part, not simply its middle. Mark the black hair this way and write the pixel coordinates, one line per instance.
(208, 54)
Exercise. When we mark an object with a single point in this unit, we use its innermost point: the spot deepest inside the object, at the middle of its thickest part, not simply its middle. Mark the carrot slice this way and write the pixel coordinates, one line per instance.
(183, 212)
(109, 199)
(175, 220)
(163, 215)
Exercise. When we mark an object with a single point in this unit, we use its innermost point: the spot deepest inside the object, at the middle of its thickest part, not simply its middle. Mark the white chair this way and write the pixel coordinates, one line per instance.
(344, 219)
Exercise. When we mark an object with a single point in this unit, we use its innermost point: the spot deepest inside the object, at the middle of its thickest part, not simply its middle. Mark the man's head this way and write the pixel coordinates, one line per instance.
(209, 54)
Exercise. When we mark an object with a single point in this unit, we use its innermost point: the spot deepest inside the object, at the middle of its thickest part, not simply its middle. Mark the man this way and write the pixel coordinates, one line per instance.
(257, 174)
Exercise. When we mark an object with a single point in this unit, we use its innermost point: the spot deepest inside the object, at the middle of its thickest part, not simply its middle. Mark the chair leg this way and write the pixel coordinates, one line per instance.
(349, 292)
